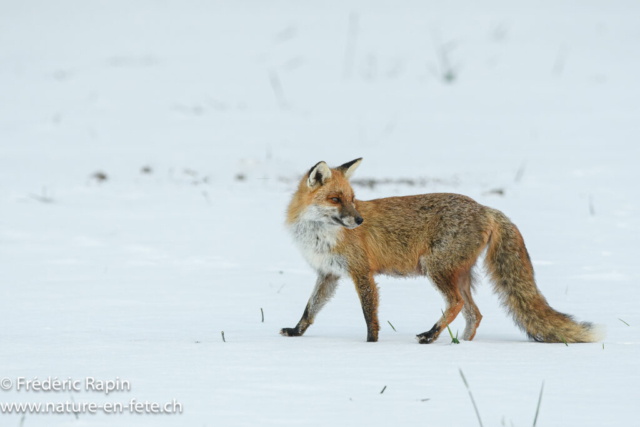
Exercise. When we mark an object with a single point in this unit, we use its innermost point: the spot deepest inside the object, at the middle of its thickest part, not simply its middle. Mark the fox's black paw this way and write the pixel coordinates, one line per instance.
(290, 332)
(429, 336)
(426, 338)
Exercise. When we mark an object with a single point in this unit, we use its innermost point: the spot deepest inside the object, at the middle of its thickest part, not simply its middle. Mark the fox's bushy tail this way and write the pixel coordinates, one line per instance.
(511, 271)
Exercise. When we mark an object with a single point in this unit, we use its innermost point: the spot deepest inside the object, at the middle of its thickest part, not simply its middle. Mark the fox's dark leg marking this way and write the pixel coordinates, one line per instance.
(322, 293)
(447, 284)
(300, 328)
(430, 336)
(368, 293)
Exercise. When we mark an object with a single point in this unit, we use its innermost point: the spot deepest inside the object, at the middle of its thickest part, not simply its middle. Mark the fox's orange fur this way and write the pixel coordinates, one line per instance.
(436, 235)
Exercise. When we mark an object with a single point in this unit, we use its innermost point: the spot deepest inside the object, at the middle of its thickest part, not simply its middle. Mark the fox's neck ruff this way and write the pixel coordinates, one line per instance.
(316, 239)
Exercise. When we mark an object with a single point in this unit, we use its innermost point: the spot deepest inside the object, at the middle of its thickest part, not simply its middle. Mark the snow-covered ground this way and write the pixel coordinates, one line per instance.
(226, 105)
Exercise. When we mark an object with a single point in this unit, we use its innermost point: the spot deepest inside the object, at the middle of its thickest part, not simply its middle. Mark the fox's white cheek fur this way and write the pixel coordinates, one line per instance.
(316, 236)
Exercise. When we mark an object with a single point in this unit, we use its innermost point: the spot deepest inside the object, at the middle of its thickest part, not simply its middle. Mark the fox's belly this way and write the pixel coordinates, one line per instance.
(401, 272)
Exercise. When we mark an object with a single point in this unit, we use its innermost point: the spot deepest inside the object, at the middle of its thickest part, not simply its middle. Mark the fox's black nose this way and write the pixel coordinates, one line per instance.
(359, 220)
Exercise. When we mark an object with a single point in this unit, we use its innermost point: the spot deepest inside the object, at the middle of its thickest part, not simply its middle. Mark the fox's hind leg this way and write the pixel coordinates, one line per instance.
(325, 288)
(470, 310)
(447, 284)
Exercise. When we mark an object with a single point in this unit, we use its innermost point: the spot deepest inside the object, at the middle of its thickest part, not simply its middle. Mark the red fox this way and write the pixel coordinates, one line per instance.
(439, 236)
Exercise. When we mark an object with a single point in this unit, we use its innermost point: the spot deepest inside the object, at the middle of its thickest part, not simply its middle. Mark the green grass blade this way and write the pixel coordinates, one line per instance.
(454, 340)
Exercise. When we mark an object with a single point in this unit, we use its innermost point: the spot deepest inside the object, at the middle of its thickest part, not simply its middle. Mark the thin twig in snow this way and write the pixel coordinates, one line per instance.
(206, 196)
(43, 198)
(471, 396)
(535, 419)
(447, 72)
(520, 172)
(276, 85)
(73, 401)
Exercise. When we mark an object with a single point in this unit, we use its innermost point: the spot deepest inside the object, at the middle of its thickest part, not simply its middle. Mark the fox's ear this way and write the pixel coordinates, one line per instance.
(349, 168)
(318, 175)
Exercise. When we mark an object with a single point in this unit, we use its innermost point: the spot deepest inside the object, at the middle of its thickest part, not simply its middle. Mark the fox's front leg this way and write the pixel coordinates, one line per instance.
(368, 293)
(322, 293)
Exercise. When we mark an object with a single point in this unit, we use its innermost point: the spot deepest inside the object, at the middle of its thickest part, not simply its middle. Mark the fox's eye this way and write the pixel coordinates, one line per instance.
(335, 200)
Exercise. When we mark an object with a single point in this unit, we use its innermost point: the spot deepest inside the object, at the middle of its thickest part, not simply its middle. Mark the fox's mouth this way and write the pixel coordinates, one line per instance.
(339, 221)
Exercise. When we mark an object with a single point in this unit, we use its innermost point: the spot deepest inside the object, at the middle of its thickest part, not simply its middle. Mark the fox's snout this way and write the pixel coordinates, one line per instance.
(350, 221)
(349, 216)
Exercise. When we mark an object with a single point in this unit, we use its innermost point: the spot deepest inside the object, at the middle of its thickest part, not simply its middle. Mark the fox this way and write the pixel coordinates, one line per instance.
(439, 236)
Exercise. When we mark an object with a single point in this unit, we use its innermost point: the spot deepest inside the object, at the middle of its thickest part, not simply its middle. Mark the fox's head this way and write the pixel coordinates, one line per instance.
(325, 195)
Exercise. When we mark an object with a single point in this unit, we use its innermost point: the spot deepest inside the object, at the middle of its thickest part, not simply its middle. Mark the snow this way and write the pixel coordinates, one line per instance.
(229, 103)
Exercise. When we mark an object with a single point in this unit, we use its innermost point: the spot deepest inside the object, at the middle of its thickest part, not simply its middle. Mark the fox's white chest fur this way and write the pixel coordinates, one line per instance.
(316, 240)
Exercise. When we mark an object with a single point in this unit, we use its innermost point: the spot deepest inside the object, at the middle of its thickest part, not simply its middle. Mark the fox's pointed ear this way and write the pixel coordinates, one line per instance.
(349, 168)
(318, 175)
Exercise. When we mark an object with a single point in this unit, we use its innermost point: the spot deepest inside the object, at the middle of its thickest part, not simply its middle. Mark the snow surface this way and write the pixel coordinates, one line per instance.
(229, 103)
